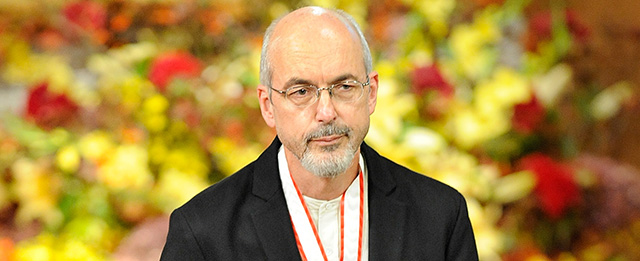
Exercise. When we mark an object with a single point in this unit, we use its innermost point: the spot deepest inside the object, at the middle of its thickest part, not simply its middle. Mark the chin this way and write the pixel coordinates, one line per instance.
(328, 163)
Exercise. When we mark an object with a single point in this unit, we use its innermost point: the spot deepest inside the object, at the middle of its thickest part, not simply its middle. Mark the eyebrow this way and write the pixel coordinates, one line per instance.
(300, 81)
(344, 77)
(297, 81)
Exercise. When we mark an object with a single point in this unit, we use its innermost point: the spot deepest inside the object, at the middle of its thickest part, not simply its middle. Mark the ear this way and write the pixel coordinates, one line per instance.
(373, 91)
(266, 107)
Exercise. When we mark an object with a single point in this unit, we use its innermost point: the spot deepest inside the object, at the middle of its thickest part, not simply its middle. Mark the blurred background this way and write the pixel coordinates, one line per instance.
(113, 113)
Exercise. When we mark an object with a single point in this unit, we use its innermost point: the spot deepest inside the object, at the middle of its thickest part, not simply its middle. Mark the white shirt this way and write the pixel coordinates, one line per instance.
(326, 215)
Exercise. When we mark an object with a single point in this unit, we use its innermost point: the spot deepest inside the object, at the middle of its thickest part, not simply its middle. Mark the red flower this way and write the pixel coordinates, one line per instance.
(556, 189)
(168, 66)
(49, 109)
(540, 28)
(526, 116)
(578, 29)
(88, 15)
(428, 78)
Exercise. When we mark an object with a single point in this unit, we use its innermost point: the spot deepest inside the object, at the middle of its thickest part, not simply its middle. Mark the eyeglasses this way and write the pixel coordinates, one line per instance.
(307, 94)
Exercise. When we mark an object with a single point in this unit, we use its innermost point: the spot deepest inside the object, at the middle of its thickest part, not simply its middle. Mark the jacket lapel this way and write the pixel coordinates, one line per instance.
(271, 218)
(273, 226)
(387, 215)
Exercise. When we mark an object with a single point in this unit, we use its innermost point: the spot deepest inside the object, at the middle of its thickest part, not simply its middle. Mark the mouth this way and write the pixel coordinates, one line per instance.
(328, 137)
(327, 140)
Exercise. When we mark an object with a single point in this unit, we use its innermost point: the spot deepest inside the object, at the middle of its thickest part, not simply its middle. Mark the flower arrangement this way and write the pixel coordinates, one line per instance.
(132, 107)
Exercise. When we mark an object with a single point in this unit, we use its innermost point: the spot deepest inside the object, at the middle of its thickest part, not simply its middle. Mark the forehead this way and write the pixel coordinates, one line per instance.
(309, 43)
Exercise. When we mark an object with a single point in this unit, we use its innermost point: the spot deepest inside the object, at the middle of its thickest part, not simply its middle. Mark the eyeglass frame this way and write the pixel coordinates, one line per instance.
(318, 90)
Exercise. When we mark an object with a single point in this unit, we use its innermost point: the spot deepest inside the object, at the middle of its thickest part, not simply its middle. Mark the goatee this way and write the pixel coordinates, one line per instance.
(330, 161)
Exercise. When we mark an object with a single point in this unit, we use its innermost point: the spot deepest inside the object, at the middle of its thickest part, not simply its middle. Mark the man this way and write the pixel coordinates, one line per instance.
(318, 192)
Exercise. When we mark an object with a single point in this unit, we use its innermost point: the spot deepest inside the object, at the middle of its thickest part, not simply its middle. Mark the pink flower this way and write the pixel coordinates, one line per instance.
(526, 116)
(428, 78)
(49, 109)
(556, 190)
(88, 15)
(168, 66)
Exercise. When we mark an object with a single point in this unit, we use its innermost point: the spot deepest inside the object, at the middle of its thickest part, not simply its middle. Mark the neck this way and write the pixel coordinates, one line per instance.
(321, 188)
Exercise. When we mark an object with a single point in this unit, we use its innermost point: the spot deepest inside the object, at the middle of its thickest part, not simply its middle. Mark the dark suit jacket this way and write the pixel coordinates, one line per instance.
(245, 217)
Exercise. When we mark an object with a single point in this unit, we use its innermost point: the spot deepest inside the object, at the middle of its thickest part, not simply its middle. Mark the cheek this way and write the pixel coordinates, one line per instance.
(356, 118)
(357, 111)
(290, 123)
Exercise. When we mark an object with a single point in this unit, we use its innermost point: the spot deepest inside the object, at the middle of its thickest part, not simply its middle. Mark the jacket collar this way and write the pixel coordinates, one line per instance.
(267, 179)
(266, 176)
(386, 212)
(273, 223)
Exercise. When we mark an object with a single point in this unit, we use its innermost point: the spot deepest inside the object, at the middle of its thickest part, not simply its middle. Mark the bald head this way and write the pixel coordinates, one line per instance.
(306, 25)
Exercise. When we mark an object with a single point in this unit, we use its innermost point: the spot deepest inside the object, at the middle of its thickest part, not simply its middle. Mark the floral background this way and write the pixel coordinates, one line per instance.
(116, 112)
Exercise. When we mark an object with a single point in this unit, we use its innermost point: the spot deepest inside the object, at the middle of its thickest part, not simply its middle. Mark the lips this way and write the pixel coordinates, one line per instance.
(327, 139)
(327, 135)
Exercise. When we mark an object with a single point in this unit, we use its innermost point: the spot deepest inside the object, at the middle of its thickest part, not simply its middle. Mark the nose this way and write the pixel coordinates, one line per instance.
(325, 112)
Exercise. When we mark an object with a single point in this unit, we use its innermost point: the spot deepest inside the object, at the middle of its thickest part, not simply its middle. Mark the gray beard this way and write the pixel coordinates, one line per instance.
(333, 164)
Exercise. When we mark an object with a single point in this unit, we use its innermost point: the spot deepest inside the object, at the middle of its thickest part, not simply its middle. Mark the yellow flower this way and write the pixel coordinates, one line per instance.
(155, 122)
(96, 146)
(469, 127)
(111, 72)
(422, 141)
(132, 90)
(232, 157)
(503, 90)
(40, 248)
(158, 150)
(541, 61)
(132, 53)
(276, 10)
(455, 168)
(489, 114)
(153, 113)
(47, 247)
(550, 86)
(174, 188)
(416, 148)
(87, 233)
(68, 158)
(609, 101)
(472, 46)
(117, 63)
(37, 190)
(20, 6)
(513, 187)
(356, 8)
(486, 22)
(126, 169)
(73, 249)
(325, 3)
(186, 159)
(437, 13)
(155, 104)
(391, 109)
(25, 67)
(489, 239)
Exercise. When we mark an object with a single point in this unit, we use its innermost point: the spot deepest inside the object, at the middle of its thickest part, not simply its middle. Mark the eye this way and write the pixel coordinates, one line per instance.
(345, 87)
(298, 91)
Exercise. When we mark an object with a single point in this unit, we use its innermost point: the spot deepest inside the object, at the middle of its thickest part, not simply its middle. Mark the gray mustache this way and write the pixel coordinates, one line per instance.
(328, 130)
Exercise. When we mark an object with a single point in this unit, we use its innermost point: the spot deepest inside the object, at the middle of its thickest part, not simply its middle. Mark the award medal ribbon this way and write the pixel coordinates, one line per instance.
(351, 221)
